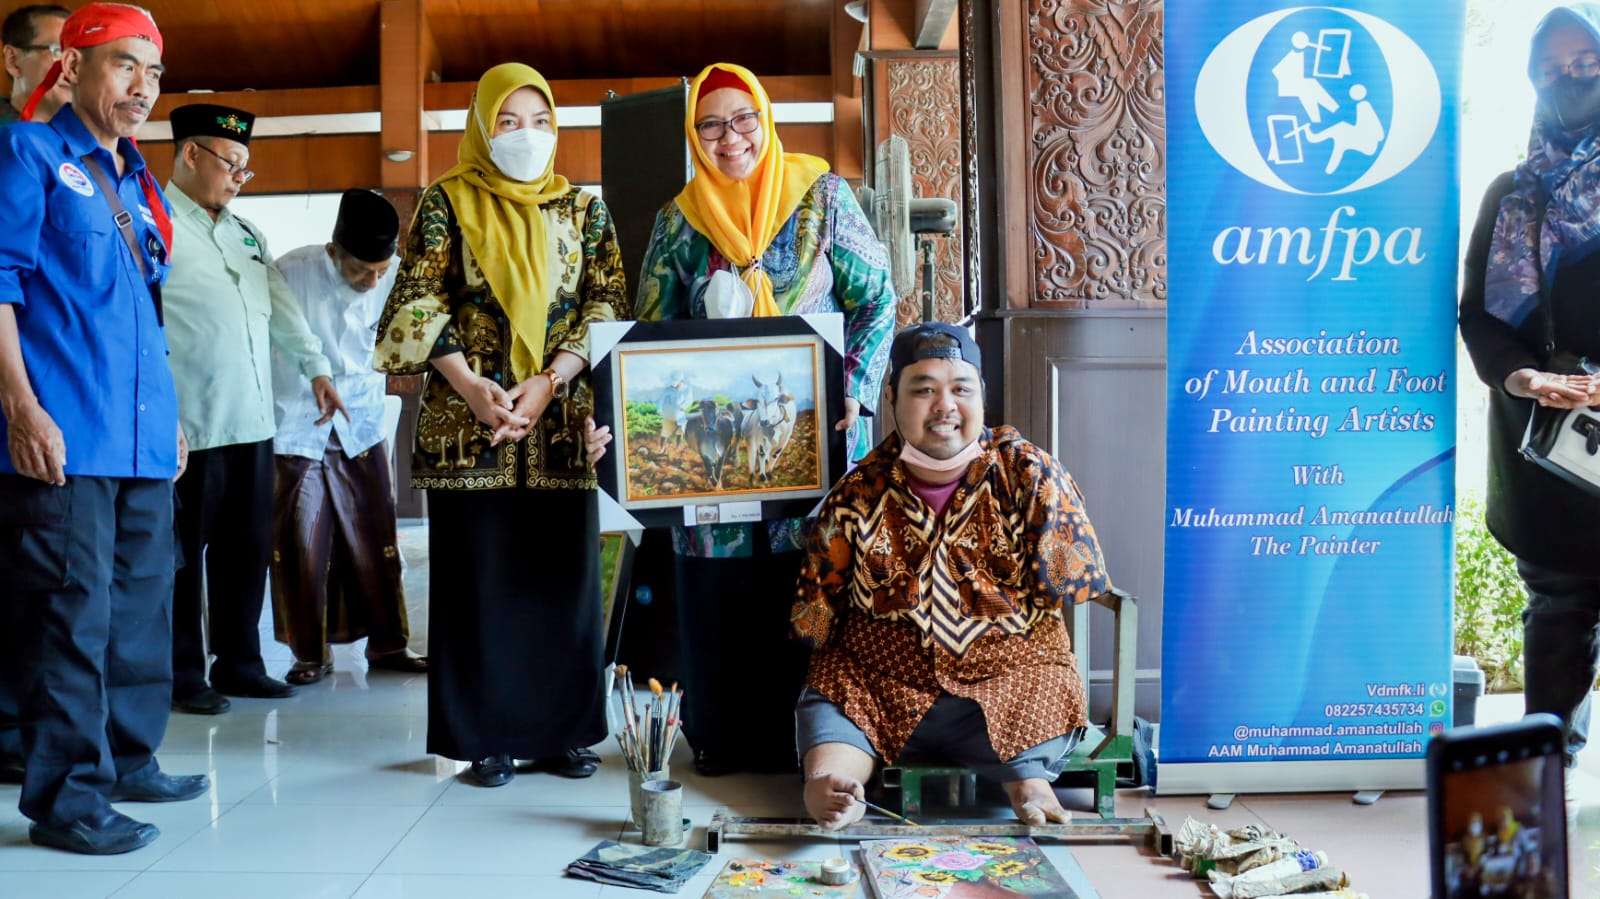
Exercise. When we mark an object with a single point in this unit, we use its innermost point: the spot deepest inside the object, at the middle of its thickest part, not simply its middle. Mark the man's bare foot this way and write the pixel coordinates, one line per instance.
(831, 800)
(1035, 803)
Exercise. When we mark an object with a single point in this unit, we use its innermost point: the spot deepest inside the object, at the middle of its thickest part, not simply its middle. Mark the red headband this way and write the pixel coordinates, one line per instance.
(718, 79)
(91, 26)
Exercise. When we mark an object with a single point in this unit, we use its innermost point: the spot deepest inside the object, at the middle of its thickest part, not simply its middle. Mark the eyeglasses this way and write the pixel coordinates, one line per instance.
(1584, 65)
(53, 49)
(235, 170)
(714, 129)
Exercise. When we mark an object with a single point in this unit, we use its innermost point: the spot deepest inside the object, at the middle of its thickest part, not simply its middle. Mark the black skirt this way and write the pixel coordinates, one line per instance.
(742, 667)
(514, 625)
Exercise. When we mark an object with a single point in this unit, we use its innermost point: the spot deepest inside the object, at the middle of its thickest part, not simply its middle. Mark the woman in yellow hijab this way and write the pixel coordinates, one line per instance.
(757, 231)
(505, 267)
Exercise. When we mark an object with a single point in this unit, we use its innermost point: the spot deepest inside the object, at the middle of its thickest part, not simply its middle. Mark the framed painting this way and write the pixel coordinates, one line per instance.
(717, 421)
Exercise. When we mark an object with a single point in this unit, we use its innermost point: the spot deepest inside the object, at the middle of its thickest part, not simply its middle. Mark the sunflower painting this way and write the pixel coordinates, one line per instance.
(962, 868)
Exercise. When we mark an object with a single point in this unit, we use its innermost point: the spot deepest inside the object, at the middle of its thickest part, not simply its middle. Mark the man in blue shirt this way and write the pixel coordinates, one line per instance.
(30, 41)
(90, 422)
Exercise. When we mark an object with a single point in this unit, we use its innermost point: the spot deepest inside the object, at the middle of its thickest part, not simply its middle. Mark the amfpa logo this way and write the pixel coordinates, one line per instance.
(1318, 100)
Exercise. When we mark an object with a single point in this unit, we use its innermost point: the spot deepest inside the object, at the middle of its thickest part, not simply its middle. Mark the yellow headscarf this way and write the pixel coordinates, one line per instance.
(741, 218)
(500, 218)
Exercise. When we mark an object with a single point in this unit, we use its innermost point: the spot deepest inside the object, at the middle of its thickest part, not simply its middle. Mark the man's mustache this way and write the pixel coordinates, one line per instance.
(134, 104)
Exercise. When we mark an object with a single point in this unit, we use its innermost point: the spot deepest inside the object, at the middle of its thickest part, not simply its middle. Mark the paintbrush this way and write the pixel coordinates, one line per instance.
(656, 709)
(630, 718)
(674, 718)
(883, 811)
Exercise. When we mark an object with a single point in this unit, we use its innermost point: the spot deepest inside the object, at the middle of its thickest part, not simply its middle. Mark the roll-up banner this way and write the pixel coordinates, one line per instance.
(1314, 210)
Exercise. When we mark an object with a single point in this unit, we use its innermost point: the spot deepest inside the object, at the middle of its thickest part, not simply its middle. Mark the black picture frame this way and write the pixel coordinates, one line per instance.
(650, 480)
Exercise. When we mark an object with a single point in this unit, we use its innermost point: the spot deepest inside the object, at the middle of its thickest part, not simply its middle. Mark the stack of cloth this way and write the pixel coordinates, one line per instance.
(1254, 862)
(664, 870)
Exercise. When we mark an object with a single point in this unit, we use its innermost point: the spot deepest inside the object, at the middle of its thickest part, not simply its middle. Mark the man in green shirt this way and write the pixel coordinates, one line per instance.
(228, 311)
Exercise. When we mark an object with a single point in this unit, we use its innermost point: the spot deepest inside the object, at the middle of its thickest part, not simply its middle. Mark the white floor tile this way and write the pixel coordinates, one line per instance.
(417, 781)
(455, 886)
(63, 884)
(514, 840)
(320, 839)
(241, 885)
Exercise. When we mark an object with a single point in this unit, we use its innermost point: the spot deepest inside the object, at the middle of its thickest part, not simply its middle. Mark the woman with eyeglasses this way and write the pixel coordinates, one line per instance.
(1531, 324)
(505, 268)
(757, 232)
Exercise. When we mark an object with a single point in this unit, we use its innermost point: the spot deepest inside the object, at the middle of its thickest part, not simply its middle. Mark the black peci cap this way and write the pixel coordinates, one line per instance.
(210, 120)
(368, 228)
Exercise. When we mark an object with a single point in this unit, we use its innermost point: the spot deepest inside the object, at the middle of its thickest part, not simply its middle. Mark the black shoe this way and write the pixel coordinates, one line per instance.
(107, 832)
(160, 787)
(711, 764)
(574, 763)
(10, 769)
(205, 702)
(256, 687)
(494, 771)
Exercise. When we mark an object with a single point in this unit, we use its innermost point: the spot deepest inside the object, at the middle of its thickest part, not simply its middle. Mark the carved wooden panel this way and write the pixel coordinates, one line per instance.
(925, 109)
(1096, 94)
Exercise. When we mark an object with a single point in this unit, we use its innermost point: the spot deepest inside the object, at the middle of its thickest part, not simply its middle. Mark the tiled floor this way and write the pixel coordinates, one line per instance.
(331, 794)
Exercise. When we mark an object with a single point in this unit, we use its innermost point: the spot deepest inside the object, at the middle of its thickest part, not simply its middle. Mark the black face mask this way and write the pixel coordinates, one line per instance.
(1575, 101)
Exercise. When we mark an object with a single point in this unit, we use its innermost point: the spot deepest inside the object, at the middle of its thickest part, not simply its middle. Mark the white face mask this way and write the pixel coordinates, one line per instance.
(522, 154)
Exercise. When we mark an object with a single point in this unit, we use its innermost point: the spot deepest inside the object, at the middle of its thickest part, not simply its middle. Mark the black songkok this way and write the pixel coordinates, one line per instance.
(368, 227)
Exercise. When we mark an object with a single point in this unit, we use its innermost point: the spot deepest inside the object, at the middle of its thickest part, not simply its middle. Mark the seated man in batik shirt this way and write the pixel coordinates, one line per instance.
(932, 594)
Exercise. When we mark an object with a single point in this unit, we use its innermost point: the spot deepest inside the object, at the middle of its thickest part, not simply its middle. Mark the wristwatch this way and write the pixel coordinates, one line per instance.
(558, 384)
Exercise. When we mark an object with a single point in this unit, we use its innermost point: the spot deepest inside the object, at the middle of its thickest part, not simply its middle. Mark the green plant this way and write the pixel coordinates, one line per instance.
(1489, 599)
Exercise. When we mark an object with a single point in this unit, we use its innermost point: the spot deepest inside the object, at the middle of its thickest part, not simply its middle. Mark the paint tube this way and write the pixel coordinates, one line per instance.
(1334, 894)
(1304, 883)
(1226, 886)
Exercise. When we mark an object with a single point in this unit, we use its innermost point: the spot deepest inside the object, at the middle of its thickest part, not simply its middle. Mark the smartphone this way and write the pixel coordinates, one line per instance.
(1497, 821)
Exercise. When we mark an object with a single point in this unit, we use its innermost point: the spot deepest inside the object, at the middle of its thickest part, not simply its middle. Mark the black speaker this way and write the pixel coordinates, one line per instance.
(644, 163)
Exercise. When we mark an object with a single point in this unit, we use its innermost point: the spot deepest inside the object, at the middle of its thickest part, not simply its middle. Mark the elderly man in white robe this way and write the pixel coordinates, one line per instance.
(336, 575)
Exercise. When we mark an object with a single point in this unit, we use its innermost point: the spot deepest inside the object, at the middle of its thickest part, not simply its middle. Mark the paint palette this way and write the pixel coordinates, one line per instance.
(747, 878)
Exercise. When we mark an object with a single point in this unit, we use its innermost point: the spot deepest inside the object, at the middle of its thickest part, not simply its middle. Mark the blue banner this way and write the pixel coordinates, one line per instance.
(1312, 189)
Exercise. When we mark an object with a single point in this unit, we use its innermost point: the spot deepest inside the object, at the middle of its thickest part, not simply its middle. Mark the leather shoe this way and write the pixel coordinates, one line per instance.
(10, 769)
(255, 687)
(160, 787)
(205, 702)
(494, 771)
(106, 832)
(400, 660)
(574, 763)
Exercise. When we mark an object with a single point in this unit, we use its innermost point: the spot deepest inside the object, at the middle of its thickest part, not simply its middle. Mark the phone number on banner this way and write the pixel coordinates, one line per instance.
(1369, 709)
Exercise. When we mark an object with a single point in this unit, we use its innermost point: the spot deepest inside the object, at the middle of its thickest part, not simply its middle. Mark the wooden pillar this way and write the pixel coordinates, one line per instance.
(915, 94)
(849, 140)
(408, 58)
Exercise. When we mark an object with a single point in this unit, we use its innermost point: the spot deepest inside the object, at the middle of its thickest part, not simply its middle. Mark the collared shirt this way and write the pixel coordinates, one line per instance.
(904, 604)
(346, 321)
(228, 312)
(95, 352)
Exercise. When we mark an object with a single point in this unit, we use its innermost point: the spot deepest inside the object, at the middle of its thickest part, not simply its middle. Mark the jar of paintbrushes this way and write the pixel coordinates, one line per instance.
(646, 729)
